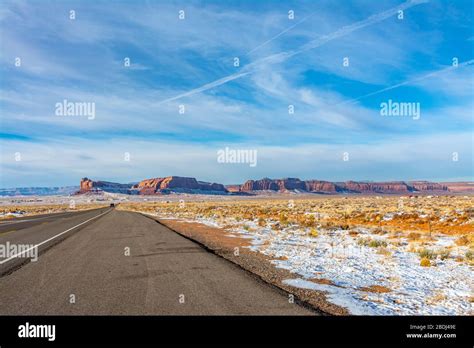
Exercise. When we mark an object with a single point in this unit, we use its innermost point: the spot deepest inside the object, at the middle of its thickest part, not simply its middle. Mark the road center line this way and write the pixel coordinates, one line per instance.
(50, 239)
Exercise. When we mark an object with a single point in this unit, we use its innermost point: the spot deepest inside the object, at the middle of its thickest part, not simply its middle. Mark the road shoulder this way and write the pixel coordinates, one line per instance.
(235, 250)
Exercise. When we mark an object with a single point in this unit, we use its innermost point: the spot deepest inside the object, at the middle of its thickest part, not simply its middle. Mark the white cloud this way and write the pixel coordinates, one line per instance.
(71, 158)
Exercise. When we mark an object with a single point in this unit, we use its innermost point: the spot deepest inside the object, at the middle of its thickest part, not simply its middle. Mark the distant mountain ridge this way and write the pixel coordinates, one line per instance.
(38, 191)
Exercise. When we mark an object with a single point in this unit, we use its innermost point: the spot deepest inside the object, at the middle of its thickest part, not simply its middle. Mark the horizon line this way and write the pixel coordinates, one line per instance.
(282, 178)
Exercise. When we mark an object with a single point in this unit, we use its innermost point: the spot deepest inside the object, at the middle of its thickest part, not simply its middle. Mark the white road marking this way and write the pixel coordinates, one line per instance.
(50, 239)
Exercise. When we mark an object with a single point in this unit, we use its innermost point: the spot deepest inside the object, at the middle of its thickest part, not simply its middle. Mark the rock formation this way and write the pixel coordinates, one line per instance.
(179, 184)
(427, 186)
(465, 186)
(88, 186)
(176, 184)
(318, 186)
(376, 187)
(321, 186)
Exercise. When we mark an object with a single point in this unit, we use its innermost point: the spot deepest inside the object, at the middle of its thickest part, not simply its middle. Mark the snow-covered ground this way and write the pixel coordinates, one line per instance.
(445, 288)
(12, 214)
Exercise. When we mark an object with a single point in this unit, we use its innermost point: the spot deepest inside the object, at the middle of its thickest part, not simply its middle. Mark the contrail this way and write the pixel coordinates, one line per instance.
(433, 73)
(358, 25)
(206, 86)
(282, 56)
(281, 33)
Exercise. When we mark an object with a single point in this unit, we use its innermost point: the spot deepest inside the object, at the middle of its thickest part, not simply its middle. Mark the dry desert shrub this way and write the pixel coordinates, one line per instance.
(344, 227)
(376, 243)
(384, 251)
(313, 232)
(462, 241)
(414, 236)
(353, 233)
(276, 227)
(435, 299)
(283, 219)
(306, 221)
(444, 253)
(378, 230)
(426, 254)
(425, 262)
(372, 243)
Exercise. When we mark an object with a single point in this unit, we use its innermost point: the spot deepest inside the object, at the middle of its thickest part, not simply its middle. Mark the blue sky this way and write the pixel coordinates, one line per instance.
(190, 62)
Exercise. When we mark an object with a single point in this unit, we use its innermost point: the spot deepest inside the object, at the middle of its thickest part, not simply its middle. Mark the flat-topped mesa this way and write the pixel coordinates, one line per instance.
(462, 186)
(89, 186)
(376, 187)
(427, 186)
(267, 184)
(291, 184)
(264, 184)
(319, 186)
(177, 184)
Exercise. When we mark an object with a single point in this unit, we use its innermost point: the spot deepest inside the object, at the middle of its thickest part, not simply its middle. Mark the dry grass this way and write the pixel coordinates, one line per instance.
(426, 254)
(372, 243)
(436, 298)
(322, 281)
(384, 251)
(463, 240)
(414, 236)
(420, 223)
(376, 288)
(469, 255)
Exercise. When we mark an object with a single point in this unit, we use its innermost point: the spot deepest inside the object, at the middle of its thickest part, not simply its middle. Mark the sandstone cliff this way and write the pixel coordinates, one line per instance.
(88, 185)
(180, 184)
(376, 187)
(177, 184)
(427, 186)
(318, 186)
(466, 186)
(321, 186)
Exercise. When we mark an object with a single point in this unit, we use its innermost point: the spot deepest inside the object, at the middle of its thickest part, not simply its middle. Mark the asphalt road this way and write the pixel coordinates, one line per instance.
(42, 231)
(28, 221)
(123, 263)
